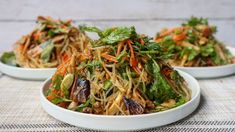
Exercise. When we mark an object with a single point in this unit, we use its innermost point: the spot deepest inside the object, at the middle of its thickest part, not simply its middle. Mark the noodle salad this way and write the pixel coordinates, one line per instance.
(194, 45)
(121, 73)
(47, 46)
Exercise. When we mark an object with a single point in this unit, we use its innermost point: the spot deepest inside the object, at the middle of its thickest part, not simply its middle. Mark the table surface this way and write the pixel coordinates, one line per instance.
(20, 107)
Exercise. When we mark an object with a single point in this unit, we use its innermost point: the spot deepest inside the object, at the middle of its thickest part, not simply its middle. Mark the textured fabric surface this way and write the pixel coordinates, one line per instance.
(20, 108)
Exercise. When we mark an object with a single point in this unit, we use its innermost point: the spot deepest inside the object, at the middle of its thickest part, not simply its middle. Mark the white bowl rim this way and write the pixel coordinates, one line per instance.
(25, 69)
(210, 67)
(127, 116)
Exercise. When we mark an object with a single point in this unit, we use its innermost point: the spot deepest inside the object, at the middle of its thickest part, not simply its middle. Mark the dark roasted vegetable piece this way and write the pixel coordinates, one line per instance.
(80, 90)
(133, 107)
(73, 89)
(84, 93)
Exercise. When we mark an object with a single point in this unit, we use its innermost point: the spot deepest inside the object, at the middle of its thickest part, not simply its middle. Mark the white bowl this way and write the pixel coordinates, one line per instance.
(211, 72)
(27, 73)
(123, 123)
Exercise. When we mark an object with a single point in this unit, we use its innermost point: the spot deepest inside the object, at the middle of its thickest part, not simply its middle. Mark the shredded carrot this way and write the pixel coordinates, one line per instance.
(59, 67)
(158, 39)
(37, 35)
(141, 41)
(61, 70)
(179, 37)
(109, 57)
(167, 32)
(63, 26)
(65, 57)
(50, 26)
(21, 47)
(83, 57)
(133, 60)
(50, 97)
(137, 70)
(120, 45)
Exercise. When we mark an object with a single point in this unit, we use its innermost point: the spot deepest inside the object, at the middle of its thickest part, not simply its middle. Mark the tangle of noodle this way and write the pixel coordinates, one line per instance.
(112, 86)
(64, 37)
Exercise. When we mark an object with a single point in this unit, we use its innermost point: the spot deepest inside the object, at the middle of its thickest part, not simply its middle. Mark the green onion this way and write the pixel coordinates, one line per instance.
(107, 84)
(123, 54)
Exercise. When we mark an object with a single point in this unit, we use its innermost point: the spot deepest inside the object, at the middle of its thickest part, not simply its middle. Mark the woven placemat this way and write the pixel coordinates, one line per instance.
(20, 108)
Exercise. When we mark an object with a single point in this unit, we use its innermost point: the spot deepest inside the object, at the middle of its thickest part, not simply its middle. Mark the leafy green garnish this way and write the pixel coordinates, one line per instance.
(57, 82)
(117, 34)
(191, 37)
(152, 67)
(177, 78)
(107, 84)
(90, 29)
(122, 54)
(153, 46)
(93, 64)
(53, 32)
(194, 21)
(58, 100)
(190, 52)
(167, 41)
(180, 101)
(9, 58)
(111, 35)
(161, 90)
(217, 59)
(132, 74)
(47, 50)
(207, 50)
(82, 106)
